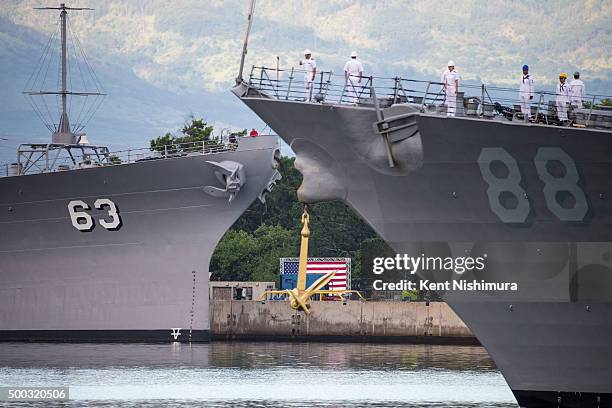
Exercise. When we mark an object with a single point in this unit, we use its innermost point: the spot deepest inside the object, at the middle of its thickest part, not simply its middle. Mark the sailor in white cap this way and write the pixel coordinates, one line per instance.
(526, 92)
(577, 91)
(450, 84)
(310, 70)
(353, 74)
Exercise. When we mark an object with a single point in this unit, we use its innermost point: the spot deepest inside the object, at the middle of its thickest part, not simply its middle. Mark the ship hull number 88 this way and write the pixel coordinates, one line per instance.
(564, 198)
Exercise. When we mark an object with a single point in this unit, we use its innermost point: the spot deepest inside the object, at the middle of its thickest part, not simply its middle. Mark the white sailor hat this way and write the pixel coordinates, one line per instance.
(307, 51)
(451, 63)
(353, 54)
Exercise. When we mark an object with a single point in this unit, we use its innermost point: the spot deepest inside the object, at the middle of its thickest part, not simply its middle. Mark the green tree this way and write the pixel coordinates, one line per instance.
(370, 249)
(244, 256)
(410, 295)
(196, 131)
(195, 135)
(602, 102)
(281, 207)
(234, 256)
(159, 142)
(274, 242)
(114, 159)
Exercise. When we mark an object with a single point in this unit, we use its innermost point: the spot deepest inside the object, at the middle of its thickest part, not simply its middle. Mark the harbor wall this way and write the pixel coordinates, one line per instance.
(354, 321)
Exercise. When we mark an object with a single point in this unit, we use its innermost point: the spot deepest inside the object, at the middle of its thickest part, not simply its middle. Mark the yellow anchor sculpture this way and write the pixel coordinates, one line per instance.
(300, 295)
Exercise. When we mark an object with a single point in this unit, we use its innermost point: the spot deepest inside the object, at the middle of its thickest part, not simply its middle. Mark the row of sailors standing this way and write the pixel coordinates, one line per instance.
(573, 93)
(353, 74)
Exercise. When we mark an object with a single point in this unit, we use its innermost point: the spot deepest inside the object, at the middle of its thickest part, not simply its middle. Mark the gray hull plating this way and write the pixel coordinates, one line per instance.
(146, 277)
(554, 334)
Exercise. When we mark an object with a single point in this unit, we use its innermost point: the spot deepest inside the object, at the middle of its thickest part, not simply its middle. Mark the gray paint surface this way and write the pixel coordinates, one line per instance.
(151, 273)
(555, 332)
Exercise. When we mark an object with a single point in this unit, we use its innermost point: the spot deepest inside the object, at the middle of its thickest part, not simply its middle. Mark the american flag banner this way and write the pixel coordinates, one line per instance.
(320, 266)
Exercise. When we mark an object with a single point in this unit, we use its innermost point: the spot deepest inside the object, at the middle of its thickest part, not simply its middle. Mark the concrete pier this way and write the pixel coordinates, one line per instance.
(355, 321)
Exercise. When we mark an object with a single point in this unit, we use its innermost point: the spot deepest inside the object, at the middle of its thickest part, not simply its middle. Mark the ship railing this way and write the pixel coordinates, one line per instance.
(42, 158)
(473, 100)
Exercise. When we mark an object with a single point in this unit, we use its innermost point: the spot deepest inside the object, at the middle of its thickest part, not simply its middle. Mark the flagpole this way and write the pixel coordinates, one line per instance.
(246, 41)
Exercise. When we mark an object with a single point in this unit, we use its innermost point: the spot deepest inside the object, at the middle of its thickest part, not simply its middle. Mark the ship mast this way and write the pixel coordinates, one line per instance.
(63, 133)
(64, 125)
(69, 148)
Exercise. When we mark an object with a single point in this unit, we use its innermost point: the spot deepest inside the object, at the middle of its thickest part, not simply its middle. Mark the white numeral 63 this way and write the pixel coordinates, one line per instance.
(82, 221)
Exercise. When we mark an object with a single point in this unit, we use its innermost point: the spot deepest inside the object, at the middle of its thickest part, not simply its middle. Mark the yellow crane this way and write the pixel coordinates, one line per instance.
(300, 295)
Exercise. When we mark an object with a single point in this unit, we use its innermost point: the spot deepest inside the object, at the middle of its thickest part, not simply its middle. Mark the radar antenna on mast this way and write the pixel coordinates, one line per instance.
(68, 144)
(39, 84)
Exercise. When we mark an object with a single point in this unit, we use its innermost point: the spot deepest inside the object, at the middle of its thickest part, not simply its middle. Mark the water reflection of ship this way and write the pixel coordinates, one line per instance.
(355, 356)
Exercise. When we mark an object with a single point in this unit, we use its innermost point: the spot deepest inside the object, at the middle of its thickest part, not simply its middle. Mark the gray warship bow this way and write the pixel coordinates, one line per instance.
(529, 193)
(115, 246)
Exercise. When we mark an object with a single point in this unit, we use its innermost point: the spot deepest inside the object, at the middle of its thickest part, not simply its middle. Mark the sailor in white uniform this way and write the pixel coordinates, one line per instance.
(577, 91)
(450, 81)
(563, 97)
(526, 92)
(353, 73)
(310, 68)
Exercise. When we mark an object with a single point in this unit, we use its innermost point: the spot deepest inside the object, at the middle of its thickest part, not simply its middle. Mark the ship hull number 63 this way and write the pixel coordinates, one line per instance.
(82, 220)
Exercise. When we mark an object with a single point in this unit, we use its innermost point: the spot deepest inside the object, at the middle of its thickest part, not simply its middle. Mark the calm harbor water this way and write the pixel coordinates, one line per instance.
(224, 374)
